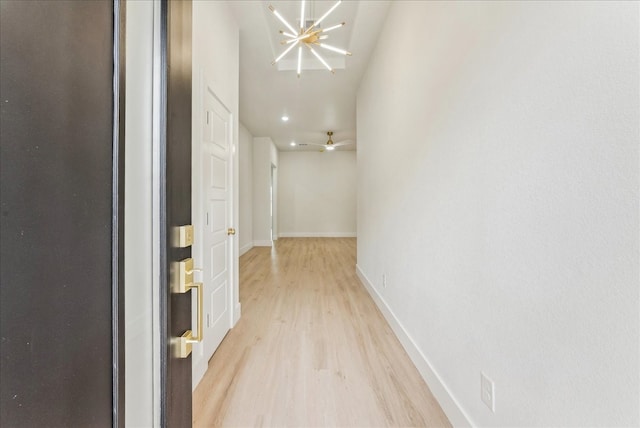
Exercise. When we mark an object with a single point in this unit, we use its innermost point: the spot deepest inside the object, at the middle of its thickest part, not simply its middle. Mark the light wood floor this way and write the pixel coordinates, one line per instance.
(311, 349)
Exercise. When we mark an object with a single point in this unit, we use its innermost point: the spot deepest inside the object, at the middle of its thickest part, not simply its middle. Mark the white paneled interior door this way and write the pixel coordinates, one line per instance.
(216, 200)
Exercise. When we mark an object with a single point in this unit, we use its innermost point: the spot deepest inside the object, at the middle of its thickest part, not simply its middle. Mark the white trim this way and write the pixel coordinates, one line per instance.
(245, 248)
(198, 370)
(155, 220)
(263, 243)
(237, 313)
(317, 235)
(449, 404)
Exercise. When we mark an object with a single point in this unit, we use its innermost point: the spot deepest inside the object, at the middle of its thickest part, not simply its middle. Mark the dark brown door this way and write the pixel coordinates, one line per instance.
(60, 187)
(177, 205)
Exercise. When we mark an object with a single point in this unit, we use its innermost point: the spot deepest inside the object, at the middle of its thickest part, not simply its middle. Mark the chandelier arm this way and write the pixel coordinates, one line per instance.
(315, 24)
(285, 52)
(284, 33)
(297, 39)
(333, 49)
(326, 30)
(302, 16)
(281, 18)
(317, 55)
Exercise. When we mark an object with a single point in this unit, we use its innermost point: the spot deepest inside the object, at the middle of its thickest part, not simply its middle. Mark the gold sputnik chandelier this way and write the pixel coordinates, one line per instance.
(309, 37)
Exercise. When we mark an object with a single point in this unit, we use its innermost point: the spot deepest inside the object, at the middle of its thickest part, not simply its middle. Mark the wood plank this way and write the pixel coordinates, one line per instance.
(311, 348)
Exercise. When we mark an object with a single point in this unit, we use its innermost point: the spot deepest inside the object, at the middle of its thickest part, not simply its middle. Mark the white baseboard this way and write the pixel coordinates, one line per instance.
(245, 248)
(317, 234)
(450, 406)
(198, 369)
(263, 243)
(237, 313)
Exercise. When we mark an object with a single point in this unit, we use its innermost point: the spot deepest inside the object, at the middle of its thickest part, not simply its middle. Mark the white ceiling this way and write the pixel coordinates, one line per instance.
(318, 101)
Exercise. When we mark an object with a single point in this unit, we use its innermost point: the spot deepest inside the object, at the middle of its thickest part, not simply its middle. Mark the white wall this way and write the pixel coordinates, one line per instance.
(265, 155)
(245, 187)
(216, 62)
(498, 191)
(317, 194)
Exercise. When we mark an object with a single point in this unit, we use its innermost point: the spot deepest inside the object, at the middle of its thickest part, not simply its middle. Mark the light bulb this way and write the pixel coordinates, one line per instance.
(317, 55)
(334, 49)
(284, 21)
(327, 14)
(326, 30)
(285, 52)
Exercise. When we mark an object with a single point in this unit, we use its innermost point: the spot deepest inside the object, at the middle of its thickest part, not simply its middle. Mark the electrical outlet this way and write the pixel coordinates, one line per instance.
(384, 281)
(487, 392)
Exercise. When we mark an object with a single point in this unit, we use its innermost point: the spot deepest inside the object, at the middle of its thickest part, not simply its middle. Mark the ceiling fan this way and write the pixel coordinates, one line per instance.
(330, 144)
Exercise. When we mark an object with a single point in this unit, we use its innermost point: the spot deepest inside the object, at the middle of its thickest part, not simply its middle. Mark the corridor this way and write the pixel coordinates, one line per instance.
(311, 348)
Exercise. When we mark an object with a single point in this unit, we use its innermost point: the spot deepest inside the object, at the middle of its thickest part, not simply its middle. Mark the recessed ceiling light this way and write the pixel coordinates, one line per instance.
(293, 144)
(285, 118)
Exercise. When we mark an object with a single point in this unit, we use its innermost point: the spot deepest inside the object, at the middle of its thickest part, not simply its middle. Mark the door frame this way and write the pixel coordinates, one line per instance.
(142, 236)
(117, 228)
(174, 198)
